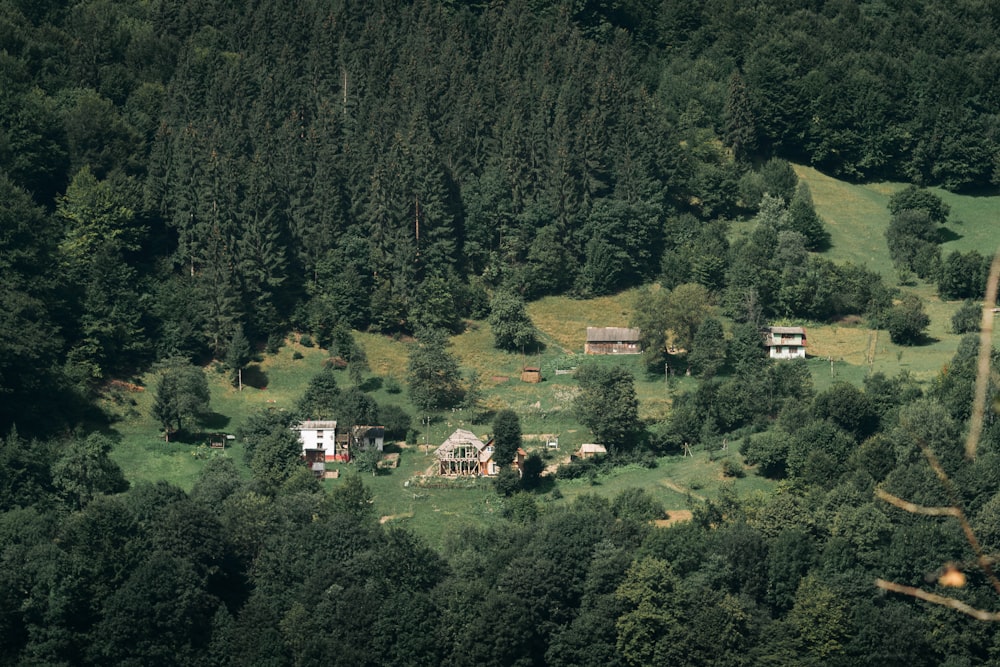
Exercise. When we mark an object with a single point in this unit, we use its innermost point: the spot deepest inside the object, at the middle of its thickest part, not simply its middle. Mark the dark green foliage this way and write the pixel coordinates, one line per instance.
(637, 505)
(507, 482)
(509, 321)
(847, 407)
(649, 315)
(708, 349)
(27, 479)
(607, 405)
(259, 426)
(531, 476)
(238, 355)
(963, 276)
(907, 321)
(914, 198)
(395, 420)
(802, 218)
(169, 171)
(181, 395)
(432, 372)
(779, 179)
(968, 317)
(506, 437)
(912, 238)
(85, 470)
(321, 397)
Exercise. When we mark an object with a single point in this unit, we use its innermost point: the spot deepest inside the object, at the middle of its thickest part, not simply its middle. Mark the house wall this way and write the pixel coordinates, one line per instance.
(788, 352)
(325, 439)
(613, 347)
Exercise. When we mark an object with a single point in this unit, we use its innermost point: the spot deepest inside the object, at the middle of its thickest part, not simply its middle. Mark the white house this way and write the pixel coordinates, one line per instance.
(785, 342)
(317, 436)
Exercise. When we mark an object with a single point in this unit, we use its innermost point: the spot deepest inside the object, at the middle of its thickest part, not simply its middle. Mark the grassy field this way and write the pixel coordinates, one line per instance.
(856, 216)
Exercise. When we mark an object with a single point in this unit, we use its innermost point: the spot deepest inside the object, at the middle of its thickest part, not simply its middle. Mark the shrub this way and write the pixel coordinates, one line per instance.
(731, 468)
(306, 340)
(296, 355)
(967, 318)
(392, 386)
(907, 321)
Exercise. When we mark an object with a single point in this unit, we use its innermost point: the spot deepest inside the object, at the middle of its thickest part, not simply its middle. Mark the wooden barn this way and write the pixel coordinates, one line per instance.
(612, 340)
(531, 374)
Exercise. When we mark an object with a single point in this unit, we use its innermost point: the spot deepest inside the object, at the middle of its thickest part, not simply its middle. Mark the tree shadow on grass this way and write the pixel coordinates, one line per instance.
(371, 384)
(254, 376)
(944, 235)
(214, 421)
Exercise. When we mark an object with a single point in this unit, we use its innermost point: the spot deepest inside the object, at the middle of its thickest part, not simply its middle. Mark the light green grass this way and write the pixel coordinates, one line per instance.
(857, 217)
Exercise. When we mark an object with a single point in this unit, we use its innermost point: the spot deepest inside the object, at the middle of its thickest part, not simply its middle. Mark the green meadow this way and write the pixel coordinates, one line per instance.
(856, 216)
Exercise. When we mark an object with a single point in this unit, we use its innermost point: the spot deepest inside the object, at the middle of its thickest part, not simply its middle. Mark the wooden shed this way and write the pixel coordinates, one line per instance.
(612, 340)
(531, 374)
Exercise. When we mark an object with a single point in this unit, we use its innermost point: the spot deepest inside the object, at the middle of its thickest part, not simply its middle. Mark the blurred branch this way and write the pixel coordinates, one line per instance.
(951, 603)
(983, 362)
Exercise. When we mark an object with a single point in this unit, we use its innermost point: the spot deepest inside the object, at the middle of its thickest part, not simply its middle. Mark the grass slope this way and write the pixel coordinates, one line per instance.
(856, 216)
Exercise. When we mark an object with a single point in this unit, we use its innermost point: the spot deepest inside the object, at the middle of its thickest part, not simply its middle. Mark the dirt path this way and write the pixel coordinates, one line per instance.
(673, 486)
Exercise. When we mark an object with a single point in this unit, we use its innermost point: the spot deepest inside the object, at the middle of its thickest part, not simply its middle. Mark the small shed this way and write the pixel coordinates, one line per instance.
(590, 449)
(368, 437)
(531, 374)
(612, 340)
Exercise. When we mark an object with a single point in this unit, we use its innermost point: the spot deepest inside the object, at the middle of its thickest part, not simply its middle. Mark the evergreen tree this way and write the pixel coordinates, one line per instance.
(803, 219)
(432, 373)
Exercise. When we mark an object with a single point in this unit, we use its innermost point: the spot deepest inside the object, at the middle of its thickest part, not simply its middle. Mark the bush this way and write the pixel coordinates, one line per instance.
(274, 343)
(395, 419)
(731, 468)
(967, 318)
(296, 355)
(907, 321)
(305, 340)
(392, 386)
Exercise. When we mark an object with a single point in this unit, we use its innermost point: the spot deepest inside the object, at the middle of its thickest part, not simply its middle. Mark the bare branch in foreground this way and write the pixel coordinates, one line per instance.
(951, 603)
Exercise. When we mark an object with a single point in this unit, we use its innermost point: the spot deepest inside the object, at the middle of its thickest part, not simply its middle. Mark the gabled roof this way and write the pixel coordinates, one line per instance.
(612, 334)
(317, 424)
(459, 438)
(787, 330)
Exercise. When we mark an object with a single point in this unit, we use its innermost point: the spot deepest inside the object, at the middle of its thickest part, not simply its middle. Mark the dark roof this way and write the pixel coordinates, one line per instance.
(612, 334)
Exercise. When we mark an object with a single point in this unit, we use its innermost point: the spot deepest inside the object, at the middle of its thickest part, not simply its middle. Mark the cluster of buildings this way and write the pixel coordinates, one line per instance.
(463, 453)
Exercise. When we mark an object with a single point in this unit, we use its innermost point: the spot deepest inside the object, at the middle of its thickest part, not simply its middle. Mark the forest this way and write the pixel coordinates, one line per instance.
(188, 182)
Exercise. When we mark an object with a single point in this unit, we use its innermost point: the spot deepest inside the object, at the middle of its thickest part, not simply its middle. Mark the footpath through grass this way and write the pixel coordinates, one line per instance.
(856, 216)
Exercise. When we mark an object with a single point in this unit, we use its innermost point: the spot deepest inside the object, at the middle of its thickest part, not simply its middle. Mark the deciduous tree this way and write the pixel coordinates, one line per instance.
(608, 406)
(181, 395)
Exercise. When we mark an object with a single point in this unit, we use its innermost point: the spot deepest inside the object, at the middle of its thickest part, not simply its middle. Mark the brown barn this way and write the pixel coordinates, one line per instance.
(612, 340)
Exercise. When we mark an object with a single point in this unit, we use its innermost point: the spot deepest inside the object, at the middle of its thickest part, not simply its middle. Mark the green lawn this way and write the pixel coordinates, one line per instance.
(856, 216)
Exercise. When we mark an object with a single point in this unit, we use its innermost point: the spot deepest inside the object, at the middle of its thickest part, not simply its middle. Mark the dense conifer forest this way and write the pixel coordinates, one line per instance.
(183, 181)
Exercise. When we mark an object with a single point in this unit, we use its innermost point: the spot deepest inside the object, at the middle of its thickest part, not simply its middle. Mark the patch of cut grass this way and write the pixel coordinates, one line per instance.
(564, 321)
